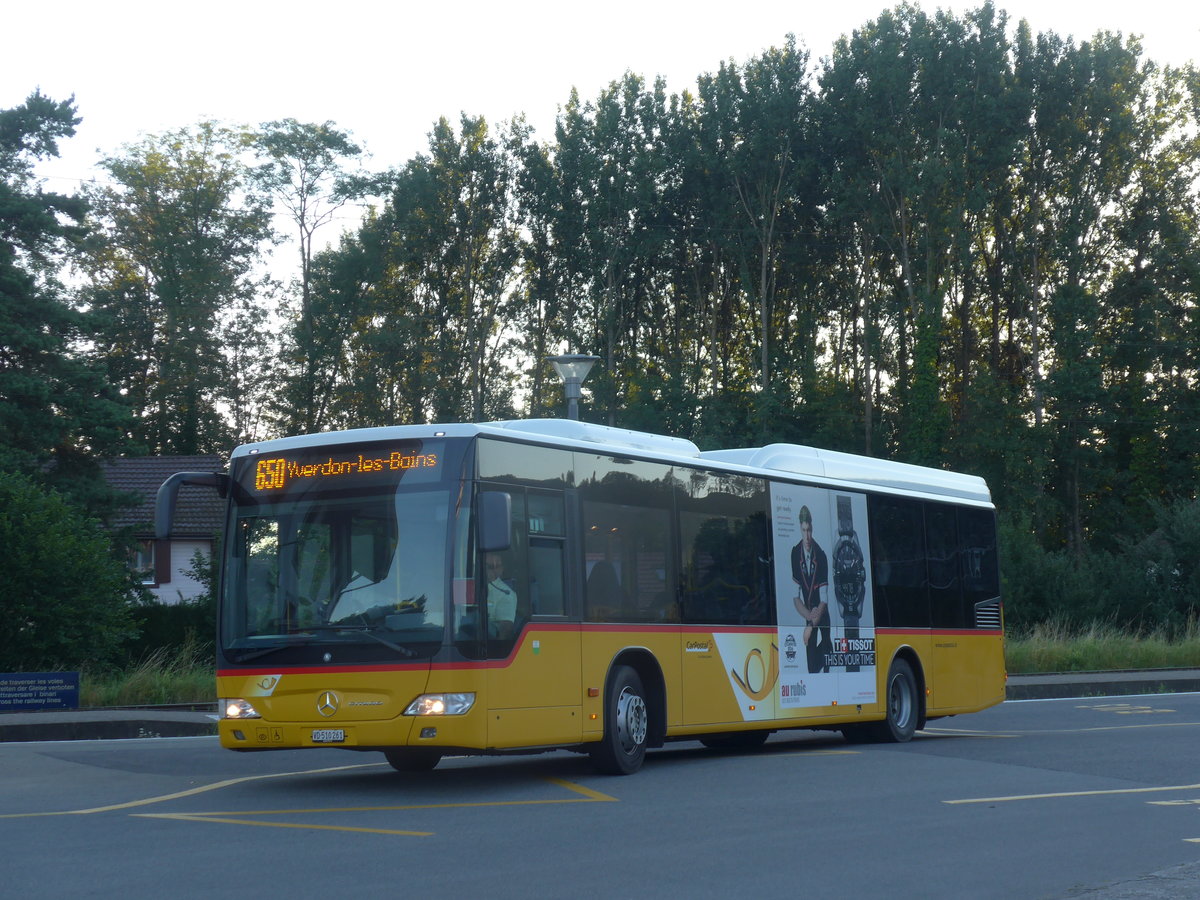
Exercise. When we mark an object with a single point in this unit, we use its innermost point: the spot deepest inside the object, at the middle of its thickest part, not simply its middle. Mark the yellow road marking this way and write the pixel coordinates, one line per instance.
(963, 732)
(1060, 794)
(203, 817)
(587, 795)
(586, 792)
(191, 792)
(809, 753)
(584, 795)
(1173, 802)
(1126, 709)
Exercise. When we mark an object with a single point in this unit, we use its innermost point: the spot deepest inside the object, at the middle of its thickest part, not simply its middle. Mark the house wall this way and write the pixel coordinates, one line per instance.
(182, 586)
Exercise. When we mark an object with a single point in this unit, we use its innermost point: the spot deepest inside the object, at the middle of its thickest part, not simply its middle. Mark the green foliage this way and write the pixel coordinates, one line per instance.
(179, 230)
(1151, 581)
(67, 597)
(178, 674)
(162, 627)
(1055, 646)
(303, 168)
(54, 405)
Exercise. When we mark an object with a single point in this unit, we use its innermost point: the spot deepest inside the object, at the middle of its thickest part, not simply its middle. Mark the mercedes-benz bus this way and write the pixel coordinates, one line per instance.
(434, 590)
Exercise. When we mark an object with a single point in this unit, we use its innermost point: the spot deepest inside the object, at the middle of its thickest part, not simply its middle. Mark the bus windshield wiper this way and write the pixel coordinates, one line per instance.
(250, 654)
(369, 631)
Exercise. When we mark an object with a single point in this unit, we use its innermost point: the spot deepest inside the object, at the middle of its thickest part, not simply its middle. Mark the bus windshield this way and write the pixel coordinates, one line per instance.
(334, 569)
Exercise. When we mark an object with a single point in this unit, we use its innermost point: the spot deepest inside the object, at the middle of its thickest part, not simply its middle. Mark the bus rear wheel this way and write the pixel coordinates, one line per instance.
(903, 706)
(412, 759)
(626, 724)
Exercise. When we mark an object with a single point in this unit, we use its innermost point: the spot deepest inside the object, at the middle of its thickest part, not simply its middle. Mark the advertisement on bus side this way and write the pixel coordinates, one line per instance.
(826, 625)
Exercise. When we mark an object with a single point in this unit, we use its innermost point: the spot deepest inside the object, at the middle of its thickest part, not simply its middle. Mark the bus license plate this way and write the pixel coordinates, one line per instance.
(328, 735)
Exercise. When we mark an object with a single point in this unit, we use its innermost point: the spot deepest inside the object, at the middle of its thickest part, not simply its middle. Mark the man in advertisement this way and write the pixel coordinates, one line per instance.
(810, 571)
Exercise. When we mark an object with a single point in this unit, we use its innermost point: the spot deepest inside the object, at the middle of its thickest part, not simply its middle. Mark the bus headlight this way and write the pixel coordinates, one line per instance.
(441, 705)
(238, 709)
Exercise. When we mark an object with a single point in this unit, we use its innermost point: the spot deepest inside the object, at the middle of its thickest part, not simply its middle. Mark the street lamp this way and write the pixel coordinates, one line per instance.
(573, 368)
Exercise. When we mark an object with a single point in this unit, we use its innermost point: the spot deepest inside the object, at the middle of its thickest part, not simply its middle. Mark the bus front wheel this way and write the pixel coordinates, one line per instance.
(626, 723)
(412, 759)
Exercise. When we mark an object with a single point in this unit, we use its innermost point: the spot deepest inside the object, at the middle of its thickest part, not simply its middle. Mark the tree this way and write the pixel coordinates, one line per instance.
(56, 409)
(179, 233)
(72, 609)
(304, 171)
(413, 307)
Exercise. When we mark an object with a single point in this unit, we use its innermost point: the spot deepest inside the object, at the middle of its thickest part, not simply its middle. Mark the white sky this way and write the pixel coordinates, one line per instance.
(385, 71)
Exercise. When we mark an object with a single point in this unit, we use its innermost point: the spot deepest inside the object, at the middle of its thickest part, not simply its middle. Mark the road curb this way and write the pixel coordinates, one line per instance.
(1101, 684)
(115, 724)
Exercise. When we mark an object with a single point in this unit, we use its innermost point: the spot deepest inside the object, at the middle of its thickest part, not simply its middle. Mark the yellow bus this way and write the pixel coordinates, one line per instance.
(546, 584)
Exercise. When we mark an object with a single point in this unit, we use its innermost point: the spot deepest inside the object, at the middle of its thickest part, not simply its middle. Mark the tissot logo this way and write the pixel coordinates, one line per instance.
(327, 704)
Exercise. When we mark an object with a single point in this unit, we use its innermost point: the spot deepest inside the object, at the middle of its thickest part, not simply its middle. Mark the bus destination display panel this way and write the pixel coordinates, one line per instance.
(268, 476)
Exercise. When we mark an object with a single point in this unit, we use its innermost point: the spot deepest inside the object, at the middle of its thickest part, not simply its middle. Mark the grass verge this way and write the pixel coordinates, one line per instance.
(183, 674)
(1099, 647)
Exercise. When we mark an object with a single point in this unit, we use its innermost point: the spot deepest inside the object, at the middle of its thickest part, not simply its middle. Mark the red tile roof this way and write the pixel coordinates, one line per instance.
(200, 511)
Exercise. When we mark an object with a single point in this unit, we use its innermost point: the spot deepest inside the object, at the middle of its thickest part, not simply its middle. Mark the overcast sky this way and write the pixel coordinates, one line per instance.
(386, 71)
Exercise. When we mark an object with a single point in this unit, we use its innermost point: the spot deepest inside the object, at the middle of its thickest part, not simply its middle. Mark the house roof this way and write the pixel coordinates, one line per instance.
(200, 510)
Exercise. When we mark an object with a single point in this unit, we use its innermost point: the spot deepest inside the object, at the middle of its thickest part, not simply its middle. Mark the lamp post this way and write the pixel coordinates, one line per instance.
(573, 368)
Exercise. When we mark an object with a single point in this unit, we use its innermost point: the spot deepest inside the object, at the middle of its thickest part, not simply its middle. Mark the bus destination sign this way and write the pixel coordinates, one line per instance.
(280, 472)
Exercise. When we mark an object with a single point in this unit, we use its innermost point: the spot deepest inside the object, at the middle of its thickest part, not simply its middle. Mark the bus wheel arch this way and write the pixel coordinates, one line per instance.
(632, 709)
(644, 663)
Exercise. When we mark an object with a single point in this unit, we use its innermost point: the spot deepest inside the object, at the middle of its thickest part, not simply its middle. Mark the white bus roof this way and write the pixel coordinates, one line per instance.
(792, 459)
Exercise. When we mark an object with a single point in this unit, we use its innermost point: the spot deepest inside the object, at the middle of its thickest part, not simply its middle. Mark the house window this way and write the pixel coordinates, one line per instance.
(143, 561)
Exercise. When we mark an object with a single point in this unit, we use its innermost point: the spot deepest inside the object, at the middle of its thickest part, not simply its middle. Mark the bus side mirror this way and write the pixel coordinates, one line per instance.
(495, 521)
(168, 494)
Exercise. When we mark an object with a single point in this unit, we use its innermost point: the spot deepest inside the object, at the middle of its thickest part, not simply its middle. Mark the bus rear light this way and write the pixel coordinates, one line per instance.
(238, 709)
(441, 705)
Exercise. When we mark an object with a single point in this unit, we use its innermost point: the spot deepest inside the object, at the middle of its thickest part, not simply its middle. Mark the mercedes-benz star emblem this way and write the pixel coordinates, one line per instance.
(327, 703)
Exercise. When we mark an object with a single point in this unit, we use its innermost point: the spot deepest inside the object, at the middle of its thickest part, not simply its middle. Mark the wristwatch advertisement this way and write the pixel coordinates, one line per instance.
(849, 573)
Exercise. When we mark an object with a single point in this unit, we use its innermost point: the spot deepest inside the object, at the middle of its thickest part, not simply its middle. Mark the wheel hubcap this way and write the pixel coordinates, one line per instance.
(631, 720)
(901, 702)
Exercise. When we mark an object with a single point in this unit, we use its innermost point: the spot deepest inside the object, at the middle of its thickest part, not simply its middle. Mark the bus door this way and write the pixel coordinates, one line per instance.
(730, 657)
(533, 669)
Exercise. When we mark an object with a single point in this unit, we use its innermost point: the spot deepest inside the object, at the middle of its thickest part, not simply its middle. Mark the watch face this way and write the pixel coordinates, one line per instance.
(849, 577)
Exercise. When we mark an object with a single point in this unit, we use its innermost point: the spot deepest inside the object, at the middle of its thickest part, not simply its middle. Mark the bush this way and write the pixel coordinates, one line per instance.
(1149, 585)
(190, 625)
(67, 597)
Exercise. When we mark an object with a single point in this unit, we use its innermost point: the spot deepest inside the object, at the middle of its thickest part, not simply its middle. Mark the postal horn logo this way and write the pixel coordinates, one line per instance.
(327, 704)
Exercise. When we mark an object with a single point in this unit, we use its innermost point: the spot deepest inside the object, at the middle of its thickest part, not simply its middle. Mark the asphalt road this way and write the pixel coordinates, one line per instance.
(1093, 798)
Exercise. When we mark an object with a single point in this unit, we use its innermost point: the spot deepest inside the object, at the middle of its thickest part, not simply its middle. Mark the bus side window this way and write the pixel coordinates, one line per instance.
(626, 555)
(898, 562)
(980, 569)
(526, 580)
(941, 548)
(626, 506)
(504, 600)
(546, 554)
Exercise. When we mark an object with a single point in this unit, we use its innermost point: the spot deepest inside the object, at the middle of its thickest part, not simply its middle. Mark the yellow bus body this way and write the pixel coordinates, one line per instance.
(550, 691)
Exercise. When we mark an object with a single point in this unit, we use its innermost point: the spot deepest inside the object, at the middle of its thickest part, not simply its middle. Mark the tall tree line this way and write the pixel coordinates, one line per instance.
(950, 242)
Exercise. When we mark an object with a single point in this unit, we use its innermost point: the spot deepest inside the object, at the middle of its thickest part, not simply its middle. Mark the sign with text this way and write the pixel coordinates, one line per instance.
(24, 691)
